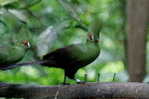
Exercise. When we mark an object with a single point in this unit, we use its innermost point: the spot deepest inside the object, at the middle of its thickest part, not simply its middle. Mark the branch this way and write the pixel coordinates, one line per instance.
(85, 91)
(72, 11)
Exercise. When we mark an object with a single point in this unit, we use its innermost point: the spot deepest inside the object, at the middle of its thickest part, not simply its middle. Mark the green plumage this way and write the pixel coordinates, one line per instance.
(72, 57)
(96, 27)
(11, 53)
(84, 53)
(75, 56)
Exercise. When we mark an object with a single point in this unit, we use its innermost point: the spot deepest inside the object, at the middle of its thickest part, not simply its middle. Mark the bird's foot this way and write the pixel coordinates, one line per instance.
(64, 83)
(78, 81)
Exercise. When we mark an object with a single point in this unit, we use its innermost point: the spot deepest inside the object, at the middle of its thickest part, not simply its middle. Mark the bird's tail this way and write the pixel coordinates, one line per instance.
(11, 66)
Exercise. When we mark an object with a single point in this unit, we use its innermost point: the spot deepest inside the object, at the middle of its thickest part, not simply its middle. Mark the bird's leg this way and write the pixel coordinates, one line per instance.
(114, 76)
(65, 80)
(85, 77)
(98, 77)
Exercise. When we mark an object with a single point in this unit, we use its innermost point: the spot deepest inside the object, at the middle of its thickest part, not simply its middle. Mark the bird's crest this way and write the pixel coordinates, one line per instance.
(95, 28)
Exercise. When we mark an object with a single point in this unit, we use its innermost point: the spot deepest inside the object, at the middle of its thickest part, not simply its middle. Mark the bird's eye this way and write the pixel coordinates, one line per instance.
(90, 36)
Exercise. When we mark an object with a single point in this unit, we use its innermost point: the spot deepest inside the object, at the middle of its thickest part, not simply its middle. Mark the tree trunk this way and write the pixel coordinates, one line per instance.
(137, 12)
(77, 91)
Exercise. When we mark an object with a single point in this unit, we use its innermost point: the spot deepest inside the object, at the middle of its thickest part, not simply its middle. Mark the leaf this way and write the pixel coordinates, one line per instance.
(45, 40)
(70, 9)
(19, 14)
(6, 2)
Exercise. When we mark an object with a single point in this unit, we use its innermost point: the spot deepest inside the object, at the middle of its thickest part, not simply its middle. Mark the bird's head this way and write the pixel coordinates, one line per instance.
(95, 29)
(26, 43)
(91, 37)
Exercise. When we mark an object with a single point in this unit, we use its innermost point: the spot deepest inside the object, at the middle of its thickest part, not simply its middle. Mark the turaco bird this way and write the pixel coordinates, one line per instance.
(72, 57)
(13, 53)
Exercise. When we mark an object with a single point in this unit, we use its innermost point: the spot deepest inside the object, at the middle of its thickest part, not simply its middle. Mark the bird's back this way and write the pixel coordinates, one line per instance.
(11, 54)
(74, 55)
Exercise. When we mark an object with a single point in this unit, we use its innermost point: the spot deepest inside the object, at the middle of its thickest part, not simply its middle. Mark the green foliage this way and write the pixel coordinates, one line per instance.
(69, 19)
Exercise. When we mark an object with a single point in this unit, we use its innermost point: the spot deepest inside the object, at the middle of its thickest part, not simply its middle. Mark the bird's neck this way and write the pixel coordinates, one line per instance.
(94, 42)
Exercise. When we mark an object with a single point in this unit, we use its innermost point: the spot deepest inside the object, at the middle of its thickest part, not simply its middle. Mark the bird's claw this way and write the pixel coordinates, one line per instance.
(65, 83)
(80, 82)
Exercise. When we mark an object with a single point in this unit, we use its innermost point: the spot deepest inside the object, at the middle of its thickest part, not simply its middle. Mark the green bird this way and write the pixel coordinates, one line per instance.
(72, 57)
(12, 53)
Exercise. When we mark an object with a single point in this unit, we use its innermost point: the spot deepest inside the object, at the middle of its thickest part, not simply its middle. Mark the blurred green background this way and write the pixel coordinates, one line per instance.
(52, 24)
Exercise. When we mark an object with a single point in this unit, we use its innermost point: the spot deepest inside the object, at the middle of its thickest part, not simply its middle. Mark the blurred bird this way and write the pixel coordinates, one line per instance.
(72, 57)
(13, 53)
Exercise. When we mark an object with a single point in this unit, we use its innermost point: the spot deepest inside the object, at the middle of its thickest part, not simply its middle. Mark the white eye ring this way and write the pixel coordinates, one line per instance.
(28, 45)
